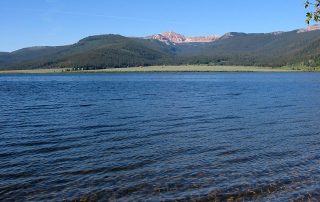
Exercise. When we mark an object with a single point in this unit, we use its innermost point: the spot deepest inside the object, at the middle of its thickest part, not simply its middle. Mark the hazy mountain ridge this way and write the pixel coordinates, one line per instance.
(234, 48)
(310, 28)
(176, 38)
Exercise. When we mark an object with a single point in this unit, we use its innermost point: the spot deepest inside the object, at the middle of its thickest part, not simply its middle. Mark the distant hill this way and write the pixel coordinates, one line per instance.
(298, 47)
(92, 52)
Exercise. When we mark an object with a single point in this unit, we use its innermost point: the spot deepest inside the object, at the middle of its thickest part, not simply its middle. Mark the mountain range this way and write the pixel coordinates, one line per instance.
(297, 47)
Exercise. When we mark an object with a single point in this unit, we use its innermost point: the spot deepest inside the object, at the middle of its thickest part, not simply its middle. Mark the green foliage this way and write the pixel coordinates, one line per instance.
(314, 13)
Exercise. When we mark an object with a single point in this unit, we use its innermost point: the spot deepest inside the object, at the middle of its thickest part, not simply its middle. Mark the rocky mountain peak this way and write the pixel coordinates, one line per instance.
(173, 37)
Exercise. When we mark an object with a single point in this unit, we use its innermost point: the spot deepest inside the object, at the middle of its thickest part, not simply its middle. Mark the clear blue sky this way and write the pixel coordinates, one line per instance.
(26, 23)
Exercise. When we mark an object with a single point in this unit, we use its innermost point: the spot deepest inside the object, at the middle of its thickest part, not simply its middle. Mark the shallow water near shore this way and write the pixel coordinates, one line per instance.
(160, 136)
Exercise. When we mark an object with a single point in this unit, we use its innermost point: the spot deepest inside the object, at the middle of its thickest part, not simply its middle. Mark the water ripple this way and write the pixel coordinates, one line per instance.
(160, 137)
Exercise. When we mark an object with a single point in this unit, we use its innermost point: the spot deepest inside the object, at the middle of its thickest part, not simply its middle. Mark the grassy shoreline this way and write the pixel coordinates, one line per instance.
(165, 69)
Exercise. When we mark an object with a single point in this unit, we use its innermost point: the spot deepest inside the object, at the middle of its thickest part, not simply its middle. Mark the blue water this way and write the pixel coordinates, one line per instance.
(160, 136)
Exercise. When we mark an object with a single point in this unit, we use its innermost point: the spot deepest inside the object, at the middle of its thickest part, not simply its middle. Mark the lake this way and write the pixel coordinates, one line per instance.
(160, 137)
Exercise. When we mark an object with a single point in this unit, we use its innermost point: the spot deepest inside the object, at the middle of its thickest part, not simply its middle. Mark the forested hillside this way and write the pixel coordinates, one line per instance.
(112, 51)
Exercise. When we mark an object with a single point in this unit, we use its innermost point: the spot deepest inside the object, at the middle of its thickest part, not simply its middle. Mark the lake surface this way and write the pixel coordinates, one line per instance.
(160, 136)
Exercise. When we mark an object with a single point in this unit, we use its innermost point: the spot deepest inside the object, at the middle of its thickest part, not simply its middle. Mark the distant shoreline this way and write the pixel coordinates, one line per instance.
(191, 68)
